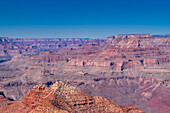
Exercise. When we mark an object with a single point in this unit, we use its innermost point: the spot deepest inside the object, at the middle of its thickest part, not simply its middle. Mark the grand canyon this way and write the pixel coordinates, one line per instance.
(126, 73)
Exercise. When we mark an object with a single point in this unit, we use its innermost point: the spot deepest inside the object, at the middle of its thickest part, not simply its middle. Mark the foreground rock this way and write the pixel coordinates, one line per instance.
(62, 98)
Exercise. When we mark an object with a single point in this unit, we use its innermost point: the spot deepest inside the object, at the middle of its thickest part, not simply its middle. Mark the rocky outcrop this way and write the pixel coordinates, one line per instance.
(62, 98)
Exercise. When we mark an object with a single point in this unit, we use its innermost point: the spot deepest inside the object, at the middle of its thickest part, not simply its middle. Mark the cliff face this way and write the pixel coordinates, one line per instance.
(62, 98)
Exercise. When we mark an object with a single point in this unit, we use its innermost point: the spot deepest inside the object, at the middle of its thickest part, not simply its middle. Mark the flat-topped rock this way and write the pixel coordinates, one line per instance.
(126, 36)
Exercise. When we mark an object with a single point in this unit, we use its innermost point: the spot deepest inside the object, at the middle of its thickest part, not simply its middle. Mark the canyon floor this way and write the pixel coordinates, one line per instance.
(128, 69)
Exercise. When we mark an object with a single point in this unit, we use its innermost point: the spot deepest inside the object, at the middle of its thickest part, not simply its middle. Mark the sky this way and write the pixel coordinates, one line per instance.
(82, 18)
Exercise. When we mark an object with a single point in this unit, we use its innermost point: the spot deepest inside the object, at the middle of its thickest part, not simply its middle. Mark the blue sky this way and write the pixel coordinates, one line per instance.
(82, 18)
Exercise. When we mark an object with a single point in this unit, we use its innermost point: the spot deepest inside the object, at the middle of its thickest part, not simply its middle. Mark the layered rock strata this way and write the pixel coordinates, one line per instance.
(62, 98)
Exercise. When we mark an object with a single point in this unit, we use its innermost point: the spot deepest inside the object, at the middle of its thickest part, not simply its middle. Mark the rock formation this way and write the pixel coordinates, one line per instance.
(62, 98)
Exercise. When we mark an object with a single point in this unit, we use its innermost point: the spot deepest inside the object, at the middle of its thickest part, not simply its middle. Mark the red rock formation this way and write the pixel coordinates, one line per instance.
(62, 98)
(3, 100)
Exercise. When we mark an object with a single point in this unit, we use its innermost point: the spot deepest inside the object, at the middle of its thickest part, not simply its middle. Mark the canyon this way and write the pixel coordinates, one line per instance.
(132, 69)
